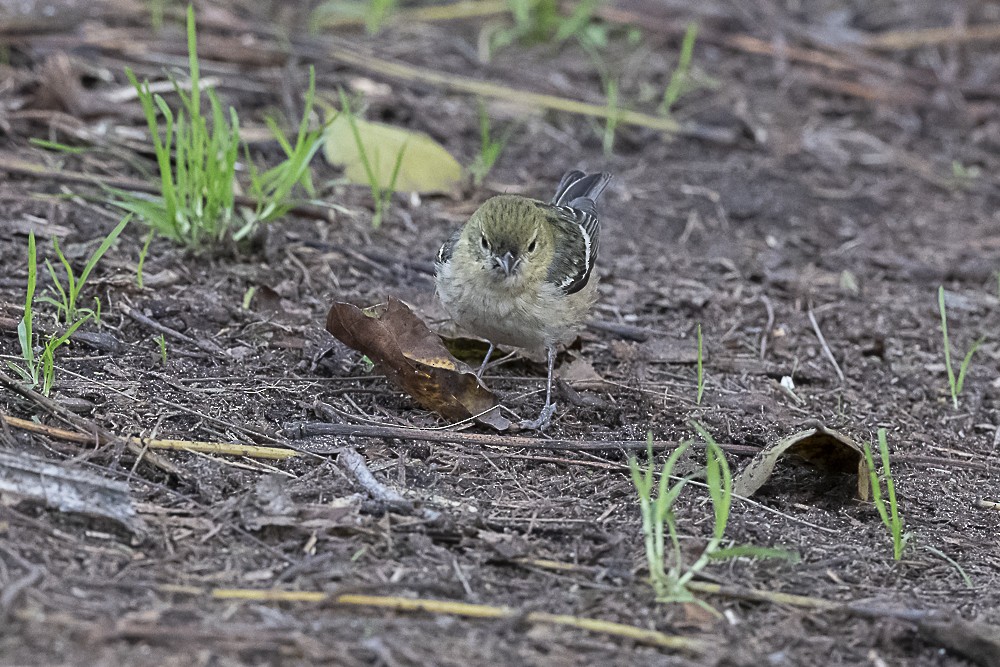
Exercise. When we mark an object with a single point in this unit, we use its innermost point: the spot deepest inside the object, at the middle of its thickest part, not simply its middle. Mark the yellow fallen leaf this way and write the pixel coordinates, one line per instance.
(425, 167)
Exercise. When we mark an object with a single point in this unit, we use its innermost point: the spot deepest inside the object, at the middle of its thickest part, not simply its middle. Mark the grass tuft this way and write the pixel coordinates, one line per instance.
(38, 369)
(888, 507)
(668, 574)
(197, 155)
(954, 384)
(66, 295)
(680, 78)
(490, 147)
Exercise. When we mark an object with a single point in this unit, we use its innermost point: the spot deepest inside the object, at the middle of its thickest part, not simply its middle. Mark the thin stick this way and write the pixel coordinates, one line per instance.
(204, 346)
(767, 327)
(366, 61)
(84, 425)
(826, 348)
(911, 39)
(309, 429)
(284, 453)
(202, 447)
(446, 607)
(355, 464)
(303, 430)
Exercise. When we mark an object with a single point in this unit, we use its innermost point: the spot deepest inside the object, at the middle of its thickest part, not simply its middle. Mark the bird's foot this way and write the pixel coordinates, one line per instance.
(543, 420)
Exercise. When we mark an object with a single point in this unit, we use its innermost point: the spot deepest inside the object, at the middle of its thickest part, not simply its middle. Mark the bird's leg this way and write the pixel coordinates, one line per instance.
(545, 416)
(489, 352)
(551, 350)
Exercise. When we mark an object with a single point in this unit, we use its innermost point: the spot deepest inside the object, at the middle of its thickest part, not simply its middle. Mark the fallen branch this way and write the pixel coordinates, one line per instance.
(67, 489)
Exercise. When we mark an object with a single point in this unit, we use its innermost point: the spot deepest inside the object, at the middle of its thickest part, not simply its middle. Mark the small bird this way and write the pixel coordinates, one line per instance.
(521, 272)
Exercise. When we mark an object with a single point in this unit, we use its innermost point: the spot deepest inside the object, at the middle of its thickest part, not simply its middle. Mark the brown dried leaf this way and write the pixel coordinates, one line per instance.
(581, 374)
(823, 448)
(697, 617)
(416, 360)
(60, 88)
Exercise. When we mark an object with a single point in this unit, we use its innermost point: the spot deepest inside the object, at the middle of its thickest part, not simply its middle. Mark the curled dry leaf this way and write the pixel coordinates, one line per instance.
(823, 448)
(415, 359)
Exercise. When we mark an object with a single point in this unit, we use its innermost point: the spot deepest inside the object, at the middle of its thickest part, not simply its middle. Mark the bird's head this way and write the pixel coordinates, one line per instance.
(509, 238)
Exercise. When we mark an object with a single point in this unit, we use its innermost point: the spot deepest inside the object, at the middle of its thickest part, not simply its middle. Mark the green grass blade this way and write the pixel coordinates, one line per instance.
(876, 485)
(72, 287)
(376, 189)
(103, 248)
(895, 521)
(965, 366)
(61, 304)
(678, 77)
(581, 17)
(193, 67)
(56, 146)
(701, 374)
(25, 335)
(947, 347)
(961, 571)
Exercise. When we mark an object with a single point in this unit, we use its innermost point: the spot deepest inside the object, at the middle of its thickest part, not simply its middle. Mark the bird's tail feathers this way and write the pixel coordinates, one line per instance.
(577, 185)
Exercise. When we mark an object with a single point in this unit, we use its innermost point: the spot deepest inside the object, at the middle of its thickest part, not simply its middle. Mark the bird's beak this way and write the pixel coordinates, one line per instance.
(507, 262)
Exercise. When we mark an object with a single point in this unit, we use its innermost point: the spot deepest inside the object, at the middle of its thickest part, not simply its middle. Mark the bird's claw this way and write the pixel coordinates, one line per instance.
(542, 421)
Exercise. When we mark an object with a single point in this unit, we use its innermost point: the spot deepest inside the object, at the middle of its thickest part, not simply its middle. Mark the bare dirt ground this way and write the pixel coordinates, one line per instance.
(843, 166)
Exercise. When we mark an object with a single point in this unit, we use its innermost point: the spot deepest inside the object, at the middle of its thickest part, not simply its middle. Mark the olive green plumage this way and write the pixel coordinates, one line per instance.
(521, 271)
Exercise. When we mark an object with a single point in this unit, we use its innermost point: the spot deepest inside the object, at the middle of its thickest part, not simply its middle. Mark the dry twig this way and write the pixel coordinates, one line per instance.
(84, 425)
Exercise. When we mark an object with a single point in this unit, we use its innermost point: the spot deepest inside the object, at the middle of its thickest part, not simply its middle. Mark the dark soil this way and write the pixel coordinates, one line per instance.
(798, 187)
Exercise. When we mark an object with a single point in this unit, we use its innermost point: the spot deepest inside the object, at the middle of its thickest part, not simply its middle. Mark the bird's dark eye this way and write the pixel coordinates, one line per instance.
(531, 246)
(486, 244)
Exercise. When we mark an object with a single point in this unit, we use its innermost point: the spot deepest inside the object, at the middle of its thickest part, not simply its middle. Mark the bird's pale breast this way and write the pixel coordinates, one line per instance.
(530, 319)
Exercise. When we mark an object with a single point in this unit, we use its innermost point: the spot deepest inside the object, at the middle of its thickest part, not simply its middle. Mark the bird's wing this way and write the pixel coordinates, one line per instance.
(577, 185)
(576, 230)
(448, 248)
